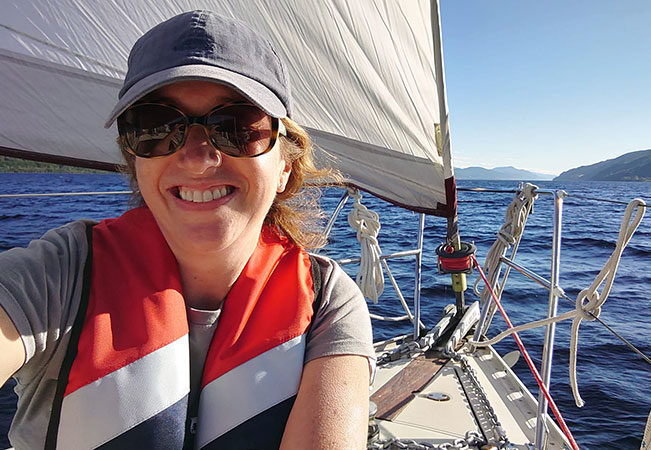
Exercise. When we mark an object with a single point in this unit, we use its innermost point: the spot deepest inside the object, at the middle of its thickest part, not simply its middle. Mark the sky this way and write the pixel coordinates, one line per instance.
(547, 85)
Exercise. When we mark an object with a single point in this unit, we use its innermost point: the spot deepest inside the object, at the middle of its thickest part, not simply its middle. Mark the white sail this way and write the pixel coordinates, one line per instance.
(362, 74)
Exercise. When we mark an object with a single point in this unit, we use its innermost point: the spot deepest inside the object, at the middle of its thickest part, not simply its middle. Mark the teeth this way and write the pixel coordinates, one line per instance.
(190, 195)
(219, 192)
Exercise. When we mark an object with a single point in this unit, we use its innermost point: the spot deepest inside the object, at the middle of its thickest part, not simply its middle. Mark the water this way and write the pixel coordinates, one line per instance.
(613, 381)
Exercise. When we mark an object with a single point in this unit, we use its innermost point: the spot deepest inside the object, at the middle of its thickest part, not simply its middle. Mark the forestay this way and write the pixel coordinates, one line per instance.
(362, 72)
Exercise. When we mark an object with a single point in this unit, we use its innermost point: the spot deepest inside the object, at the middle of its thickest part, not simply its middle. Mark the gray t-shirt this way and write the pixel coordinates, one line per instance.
(40, 289)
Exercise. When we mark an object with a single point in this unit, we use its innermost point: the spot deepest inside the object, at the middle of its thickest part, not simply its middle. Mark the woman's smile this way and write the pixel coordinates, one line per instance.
(194, 195)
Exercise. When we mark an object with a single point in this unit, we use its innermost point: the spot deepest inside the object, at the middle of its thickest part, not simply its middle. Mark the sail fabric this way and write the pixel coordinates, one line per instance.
(362, 75)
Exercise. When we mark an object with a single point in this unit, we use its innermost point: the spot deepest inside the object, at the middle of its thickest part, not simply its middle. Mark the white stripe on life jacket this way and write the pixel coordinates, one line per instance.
(250, 388)
(125, 398)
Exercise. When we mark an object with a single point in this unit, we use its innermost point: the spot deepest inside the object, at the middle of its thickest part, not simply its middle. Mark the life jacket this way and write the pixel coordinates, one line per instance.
(126, 377)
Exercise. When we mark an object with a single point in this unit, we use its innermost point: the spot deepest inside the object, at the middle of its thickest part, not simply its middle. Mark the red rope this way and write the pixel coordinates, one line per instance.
(455, 264)
(527, 358)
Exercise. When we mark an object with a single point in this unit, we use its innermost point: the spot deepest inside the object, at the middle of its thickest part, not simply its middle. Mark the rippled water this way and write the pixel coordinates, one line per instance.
(614, 382)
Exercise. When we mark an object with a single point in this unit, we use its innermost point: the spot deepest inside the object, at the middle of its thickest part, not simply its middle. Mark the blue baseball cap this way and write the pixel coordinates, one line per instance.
(202, 45)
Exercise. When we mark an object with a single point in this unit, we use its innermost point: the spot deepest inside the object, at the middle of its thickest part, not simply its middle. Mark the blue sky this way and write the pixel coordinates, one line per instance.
(547, 85)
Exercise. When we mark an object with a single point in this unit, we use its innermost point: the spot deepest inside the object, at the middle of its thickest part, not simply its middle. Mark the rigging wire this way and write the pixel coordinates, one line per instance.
(614, 332)
(498, 191)
(515, 191)
(618, 202)
(59, 194)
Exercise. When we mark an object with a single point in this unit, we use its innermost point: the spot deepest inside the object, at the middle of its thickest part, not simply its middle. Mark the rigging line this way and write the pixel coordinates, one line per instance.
(63, 49)
(614, 332)
(515, 191)
(499, 191)
(58, 194)
(619, 202)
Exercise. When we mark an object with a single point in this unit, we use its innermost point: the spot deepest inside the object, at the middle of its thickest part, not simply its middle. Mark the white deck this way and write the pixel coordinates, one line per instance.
(438, 422)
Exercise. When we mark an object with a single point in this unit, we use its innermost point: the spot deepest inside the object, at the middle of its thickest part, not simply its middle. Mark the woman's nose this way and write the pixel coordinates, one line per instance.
(197, 154)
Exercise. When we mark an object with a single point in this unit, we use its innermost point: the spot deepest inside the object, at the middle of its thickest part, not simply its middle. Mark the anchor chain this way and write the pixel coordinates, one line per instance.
(471, 439)
(503, 441)
(407, 349)
(466, 368)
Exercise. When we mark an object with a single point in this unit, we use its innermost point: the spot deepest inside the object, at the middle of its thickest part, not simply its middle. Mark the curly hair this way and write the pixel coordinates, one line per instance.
(295, 212)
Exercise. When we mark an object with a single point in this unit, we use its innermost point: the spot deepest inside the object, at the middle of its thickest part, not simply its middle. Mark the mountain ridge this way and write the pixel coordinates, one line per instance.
(499, 173)
(632, 166)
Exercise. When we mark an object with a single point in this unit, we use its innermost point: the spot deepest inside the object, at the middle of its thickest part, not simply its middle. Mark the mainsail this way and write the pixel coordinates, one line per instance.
(363, 76)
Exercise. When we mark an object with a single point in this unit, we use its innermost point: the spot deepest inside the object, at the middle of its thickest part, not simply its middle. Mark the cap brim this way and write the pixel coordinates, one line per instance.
(256, 92)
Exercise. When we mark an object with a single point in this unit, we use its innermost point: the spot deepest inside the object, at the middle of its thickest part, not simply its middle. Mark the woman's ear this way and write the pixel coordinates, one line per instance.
(285, 172)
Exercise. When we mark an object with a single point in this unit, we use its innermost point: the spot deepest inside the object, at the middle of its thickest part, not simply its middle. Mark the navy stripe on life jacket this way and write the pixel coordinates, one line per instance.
(262, 432)
(164, 431)
(249, 389)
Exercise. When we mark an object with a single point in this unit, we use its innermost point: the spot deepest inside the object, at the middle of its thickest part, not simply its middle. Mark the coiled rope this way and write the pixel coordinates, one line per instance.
(366, 223)
(509, 235)
(589, 301)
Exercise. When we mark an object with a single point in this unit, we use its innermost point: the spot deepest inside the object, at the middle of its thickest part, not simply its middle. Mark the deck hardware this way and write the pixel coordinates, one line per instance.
(438, 396)
(511, 358)
(451, 260)
(373, 428)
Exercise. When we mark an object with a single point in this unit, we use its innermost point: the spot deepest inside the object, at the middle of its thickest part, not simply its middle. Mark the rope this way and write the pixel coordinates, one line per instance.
(527, 358)
(510, 233)
(589, 301)
(366, 223)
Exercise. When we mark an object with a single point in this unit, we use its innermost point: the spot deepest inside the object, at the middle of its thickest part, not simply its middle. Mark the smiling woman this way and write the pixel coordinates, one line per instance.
(197, 319)
(204, 229)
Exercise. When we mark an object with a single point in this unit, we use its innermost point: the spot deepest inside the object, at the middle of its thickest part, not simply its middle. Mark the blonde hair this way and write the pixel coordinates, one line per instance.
(295, 212)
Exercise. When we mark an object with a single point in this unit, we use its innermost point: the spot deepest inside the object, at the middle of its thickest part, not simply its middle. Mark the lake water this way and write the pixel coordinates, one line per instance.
(614, 382)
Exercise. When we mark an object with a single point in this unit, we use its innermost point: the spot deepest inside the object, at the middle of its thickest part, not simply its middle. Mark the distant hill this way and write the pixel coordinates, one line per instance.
(499, 173)
(16, 165)
(633, 166)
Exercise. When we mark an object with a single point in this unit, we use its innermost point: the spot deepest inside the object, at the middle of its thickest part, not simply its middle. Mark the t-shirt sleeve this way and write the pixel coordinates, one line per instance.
(342, 325)
(40, 287)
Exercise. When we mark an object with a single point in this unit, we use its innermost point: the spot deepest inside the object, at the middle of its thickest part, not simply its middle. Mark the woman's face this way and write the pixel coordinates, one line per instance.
(205, 201)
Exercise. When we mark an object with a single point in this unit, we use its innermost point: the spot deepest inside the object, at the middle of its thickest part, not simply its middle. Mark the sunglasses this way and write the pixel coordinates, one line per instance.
(238, 129)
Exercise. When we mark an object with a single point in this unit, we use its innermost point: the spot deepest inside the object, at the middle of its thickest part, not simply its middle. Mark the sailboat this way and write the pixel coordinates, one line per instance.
(369, 86)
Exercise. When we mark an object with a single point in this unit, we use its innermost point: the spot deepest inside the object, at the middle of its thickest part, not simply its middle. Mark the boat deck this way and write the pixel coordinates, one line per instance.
(448, 404)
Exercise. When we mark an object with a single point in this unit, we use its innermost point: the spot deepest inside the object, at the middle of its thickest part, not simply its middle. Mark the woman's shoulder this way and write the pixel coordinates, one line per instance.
(40, 284)
(342, 324)
(71, 232)
(64, 242)
(333, 276)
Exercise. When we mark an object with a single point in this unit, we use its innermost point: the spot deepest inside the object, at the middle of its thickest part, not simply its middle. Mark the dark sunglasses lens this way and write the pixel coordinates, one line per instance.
(152, 130)
(240, 130)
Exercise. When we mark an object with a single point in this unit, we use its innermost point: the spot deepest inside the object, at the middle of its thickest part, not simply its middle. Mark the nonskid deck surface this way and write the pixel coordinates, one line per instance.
(448, 405)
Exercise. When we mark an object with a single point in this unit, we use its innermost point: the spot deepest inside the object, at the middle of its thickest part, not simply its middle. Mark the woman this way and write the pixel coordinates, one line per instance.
(196, 320)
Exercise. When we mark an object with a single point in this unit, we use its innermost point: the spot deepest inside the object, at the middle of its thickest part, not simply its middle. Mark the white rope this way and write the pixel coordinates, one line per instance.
(589, 301)
(366, 223)
(516, 217)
